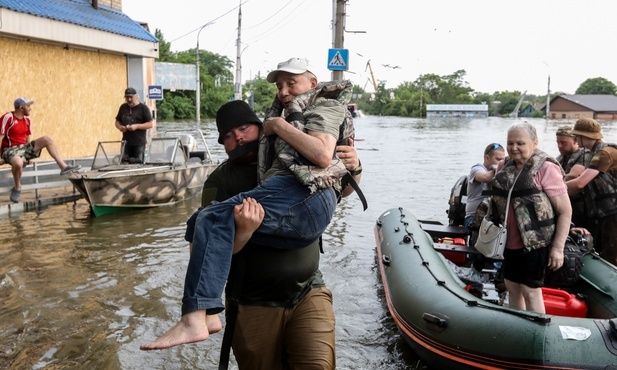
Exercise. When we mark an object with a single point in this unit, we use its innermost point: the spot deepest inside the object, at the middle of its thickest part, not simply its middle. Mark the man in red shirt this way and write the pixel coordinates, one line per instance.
(16, 148)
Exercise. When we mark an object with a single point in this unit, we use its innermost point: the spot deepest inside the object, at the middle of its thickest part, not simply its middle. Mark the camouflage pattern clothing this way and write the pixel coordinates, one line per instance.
(25, 151)
(326, 102)
(581, 157)
(534, 213)
(601, 192)
(600, 199)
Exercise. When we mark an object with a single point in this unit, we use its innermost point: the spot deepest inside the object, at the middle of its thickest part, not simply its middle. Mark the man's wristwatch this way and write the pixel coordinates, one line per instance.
(357, 171)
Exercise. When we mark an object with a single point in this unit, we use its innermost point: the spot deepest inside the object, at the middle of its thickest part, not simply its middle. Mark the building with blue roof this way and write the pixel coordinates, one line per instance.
(74, 58)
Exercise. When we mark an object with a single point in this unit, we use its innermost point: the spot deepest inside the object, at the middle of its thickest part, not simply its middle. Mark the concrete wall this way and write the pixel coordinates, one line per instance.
(570, 114)
(76, 92)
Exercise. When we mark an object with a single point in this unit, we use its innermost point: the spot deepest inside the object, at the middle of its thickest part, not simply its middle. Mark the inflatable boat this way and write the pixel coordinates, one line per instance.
(450, 326)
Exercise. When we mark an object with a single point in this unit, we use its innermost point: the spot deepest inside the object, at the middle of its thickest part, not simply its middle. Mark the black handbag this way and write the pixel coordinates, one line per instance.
(570, 271)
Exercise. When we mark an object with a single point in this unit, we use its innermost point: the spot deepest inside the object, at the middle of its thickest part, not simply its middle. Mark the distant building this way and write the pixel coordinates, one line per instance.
(457, 110)
(74, 58)
(583, 106)
(529, 109)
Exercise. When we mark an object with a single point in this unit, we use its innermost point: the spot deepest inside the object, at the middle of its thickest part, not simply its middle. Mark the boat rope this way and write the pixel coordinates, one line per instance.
(408, 238)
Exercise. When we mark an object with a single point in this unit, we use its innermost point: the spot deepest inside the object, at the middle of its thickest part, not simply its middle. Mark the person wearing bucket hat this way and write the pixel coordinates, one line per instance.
(587, 127)
(597, 184)
(133, 120)
(17, 149)
(213, 238)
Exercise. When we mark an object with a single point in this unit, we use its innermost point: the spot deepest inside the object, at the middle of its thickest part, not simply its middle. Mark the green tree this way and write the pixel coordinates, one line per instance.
(504, 102)
(165, 53)
(598, 85)
(263, 93)
(480, 98)
(375, 103)
(448, 89)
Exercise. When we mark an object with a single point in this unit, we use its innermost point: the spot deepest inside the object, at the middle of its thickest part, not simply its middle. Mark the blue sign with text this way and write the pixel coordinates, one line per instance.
(155, 92)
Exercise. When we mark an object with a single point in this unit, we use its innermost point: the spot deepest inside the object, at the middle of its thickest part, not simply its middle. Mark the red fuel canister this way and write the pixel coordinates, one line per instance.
(561, 303)
(457, 257)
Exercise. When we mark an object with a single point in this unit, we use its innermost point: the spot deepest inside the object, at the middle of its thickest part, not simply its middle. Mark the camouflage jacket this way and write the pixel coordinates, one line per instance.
(335, 92)
(601, 193)
(581, 156)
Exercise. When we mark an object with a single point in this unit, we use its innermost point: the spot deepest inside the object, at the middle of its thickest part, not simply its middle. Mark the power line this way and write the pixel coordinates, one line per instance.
(277, 26)
(212, 21)
(270, 17)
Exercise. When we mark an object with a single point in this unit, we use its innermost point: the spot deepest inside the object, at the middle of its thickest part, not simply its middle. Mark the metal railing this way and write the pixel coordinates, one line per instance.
(37, 176)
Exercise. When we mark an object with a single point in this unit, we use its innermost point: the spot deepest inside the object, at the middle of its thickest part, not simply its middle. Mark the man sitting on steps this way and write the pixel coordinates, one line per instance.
(16, 148)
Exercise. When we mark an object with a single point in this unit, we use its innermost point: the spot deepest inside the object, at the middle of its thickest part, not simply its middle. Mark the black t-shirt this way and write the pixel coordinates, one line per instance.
(261, 275)
(128, 115)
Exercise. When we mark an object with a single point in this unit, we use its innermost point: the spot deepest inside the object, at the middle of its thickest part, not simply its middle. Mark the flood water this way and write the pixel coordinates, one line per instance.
(78, 292)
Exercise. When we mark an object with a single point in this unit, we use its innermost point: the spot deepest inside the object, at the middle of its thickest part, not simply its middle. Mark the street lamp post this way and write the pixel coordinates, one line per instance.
(238, 84)
(198, 87)
(548, 92)
(548, 97)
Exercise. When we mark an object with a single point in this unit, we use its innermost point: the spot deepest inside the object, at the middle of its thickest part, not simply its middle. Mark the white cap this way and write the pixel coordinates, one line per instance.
(294, 66)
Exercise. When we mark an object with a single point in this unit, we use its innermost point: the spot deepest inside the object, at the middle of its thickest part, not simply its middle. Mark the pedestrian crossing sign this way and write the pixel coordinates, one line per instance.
(338, 59)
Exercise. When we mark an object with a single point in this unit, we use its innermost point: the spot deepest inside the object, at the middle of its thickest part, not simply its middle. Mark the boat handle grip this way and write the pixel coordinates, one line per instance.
(385, 260)
(434, 319)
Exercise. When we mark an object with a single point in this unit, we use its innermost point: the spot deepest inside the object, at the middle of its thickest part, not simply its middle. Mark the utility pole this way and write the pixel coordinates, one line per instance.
(548, 98)
(238, 86)
(198, 88)
(339, 31)
(421, 88)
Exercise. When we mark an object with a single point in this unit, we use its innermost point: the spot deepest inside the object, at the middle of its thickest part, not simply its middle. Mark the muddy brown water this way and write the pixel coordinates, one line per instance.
(79, 292)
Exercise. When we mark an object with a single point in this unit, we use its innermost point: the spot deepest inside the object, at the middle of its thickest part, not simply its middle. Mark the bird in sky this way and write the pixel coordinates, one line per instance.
(389, 66)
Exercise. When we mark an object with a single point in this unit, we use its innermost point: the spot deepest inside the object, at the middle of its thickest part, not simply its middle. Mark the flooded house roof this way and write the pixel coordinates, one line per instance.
(596, 103)
(82, 13)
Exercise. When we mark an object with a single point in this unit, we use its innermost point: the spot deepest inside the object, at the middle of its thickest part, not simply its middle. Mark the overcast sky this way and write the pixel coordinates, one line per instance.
(502, 45)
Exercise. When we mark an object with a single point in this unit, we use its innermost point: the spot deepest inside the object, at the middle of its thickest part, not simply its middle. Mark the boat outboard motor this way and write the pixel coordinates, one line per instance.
(189, 144)
(457, 202)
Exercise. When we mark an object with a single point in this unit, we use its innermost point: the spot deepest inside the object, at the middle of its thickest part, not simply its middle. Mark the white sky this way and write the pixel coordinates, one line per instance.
(502, 45)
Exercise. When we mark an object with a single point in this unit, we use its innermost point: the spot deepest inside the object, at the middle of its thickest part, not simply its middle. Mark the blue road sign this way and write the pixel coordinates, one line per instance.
(338, 59)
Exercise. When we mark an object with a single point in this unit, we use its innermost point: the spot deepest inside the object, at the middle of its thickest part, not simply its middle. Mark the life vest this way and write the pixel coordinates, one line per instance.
(581, 157)
(534, 213)
(601, 192)
(336, 92)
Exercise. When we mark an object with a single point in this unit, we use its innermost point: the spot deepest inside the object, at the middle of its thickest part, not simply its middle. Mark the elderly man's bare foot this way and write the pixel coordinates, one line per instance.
(214, 324)
(191, 328)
